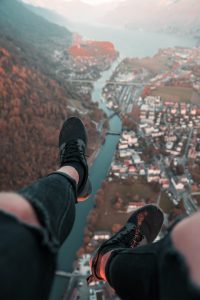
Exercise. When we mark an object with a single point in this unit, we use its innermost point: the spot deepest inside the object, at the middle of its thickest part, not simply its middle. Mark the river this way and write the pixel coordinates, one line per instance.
(138, 44)
(98, 173)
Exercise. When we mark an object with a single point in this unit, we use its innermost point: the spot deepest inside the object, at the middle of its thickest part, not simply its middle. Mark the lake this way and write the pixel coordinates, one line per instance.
(131, 43)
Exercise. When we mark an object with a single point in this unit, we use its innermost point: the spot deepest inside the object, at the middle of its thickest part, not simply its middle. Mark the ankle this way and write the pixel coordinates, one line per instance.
(103, 263)
(70, 171)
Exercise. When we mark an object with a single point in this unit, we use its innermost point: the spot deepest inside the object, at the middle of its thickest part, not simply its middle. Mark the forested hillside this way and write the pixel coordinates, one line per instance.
(33, 101)
(49, 15)
(33, 38)
(30, 119)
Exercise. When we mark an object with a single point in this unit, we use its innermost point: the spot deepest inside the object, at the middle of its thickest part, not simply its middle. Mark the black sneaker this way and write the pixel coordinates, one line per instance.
(72, 145)
(145, 222)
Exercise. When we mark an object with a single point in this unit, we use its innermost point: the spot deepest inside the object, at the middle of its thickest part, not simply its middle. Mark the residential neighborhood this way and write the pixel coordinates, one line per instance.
(163, 148)
(157, 159)
(172, 74)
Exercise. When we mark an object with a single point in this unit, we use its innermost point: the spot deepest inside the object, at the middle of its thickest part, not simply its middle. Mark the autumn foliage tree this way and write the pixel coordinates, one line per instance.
(32, 108)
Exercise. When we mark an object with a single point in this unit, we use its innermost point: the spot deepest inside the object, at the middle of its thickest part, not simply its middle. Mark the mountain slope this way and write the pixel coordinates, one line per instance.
(30, 32)
(31, 27)
(33, 101)
(49, 15)
(31, 108)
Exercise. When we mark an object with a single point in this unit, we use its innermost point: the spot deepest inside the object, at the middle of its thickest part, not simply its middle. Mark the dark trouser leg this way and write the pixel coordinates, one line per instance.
(53, 198)
(133, 274)
(155, 272)
(28, 254)
(26, 264)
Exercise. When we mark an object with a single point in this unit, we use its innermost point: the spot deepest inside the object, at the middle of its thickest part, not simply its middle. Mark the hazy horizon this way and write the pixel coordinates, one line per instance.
(157, 15)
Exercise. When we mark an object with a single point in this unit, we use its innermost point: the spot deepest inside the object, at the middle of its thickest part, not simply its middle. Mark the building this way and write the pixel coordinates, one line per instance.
(177, 184)
(96, 293)
(84, 264)
(101, 235)
(132, 170)
(136, 158)
(125, 153)
(123, 146)
(134, 205)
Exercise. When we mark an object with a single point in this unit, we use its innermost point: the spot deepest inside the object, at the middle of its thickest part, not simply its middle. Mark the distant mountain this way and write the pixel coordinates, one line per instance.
(49, 15)
(169, 15)
(78, 11)
(30, 30)
(181, 16)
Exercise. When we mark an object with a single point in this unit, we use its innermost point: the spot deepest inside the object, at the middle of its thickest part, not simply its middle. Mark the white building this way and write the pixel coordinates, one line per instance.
(123, 146)
(136, 158)
(84, 264)
(134, 205)
(101, 235)
(142, 172)
(177, 185)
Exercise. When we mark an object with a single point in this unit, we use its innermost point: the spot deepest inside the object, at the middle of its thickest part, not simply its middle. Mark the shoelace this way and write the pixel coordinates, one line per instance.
(132, 238)
(70, 150)
(138, 237)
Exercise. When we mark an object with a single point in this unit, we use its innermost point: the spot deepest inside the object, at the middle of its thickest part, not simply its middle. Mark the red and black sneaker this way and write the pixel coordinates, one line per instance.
(145, 222)
(72, 146)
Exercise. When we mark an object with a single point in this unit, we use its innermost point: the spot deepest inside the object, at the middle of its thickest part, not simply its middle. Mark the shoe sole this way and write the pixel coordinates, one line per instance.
(151, 223)
(86, 193)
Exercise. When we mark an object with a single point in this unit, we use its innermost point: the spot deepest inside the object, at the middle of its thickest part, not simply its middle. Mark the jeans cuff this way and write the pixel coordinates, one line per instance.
(70, 179)
(113, 254)
(49, 237)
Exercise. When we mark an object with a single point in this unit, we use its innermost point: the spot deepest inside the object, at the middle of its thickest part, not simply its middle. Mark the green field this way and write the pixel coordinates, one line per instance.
(166, 204)
(128, 191)
(176, 94)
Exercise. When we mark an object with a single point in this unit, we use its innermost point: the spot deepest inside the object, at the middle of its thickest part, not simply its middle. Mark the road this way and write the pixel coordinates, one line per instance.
(77, 289)
(175, 195)
(124, 83)
(185, 155)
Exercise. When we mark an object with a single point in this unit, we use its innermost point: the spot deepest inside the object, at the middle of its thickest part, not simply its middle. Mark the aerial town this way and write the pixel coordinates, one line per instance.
(164, 148)
(84, 61)
(158, 155)
(173, 74)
